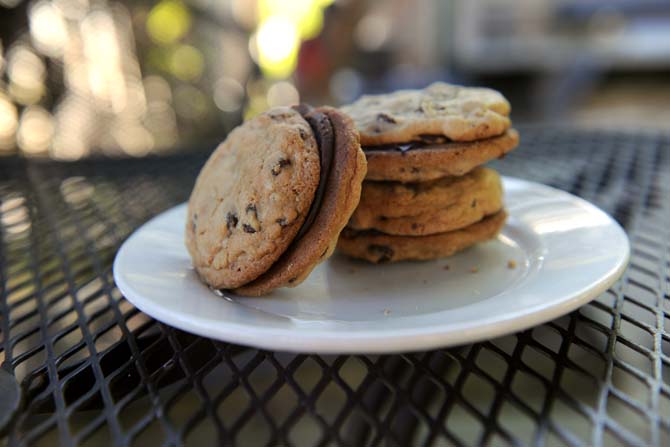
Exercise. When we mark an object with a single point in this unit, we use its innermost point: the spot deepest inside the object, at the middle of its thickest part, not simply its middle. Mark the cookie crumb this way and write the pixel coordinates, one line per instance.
(446, 267)
(511, 264)
(387, 312)
(474, 269)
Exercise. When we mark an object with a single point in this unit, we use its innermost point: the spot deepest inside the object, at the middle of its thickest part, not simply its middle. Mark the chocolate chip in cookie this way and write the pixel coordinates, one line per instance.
(382, 253)
(385, 118)
(231, 221)
(277, 168)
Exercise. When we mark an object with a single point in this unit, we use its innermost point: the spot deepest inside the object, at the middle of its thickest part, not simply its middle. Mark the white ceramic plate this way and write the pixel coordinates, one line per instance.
(566, 251)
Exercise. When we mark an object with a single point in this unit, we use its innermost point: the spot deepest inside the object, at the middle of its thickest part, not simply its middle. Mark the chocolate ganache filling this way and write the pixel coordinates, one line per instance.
(324, 133)
(423, 141)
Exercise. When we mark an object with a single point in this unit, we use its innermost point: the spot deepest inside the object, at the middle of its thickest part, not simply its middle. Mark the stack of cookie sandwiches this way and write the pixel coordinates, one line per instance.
(426, 194)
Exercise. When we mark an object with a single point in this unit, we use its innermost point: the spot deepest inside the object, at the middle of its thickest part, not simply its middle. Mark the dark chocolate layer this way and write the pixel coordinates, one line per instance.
(325, 140)
(424, 141)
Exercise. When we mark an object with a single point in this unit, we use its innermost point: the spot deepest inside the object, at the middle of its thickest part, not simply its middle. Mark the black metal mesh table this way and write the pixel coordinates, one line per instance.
(94, 370)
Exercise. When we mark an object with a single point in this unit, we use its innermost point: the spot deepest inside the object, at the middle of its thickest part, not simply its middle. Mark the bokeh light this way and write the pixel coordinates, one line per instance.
(48, 28)
(136, 79)
(190, 102)
(104, 105)
(307, 15)
(103, 57)
(75, 126)
(372, 32)
(171, 72)
(132, 138)
(186, 63)
(157, 89)
(36, 129)
(168, 21)
(228, 94)
(8, 122)
(282, 93)
(160, 117)
(136, 103)
(8, 117)
(277, 43)
(26, 73)
(282, 26)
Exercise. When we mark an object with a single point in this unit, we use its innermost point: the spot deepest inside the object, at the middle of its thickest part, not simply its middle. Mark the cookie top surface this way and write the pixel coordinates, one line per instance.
(252, 197)
(456, 112)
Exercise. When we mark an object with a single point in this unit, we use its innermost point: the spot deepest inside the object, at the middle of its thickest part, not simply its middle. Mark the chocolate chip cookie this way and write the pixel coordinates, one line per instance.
(272, 199)
(455, 112)
(424, 161)
(437, 206)
(378, 247)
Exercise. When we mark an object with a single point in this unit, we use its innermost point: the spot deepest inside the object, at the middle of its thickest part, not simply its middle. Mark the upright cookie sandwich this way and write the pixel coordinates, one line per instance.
(272, 199)
(425, 194)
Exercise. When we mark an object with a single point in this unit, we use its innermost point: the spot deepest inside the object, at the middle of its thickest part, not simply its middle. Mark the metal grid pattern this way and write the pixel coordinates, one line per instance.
(94, 370)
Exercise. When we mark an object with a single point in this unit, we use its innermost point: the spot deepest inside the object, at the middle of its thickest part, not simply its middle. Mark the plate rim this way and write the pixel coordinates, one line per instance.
(368, 342)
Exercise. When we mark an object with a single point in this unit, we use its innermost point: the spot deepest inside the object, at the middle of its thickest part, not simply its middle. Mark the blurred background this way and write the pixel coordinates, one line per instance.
(81, 78)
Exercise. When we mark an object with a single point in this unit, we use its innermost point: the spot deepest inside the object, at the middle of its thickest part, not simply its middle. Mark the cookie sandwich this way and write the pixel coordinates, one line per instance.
(426, 194)
(272, 199)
